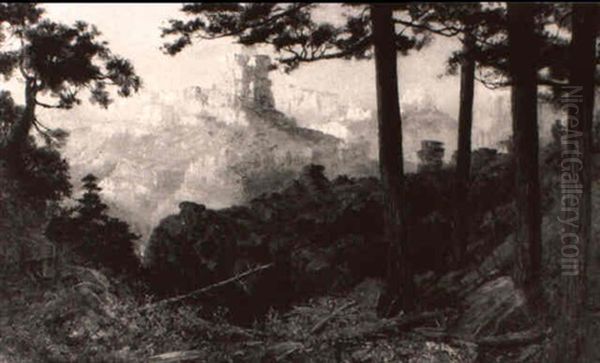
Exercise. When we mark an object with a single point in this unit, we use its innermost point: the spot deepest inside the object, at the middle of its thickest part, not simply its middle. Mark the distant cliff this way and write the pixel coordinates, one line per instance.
(225, 143)
(218, 145)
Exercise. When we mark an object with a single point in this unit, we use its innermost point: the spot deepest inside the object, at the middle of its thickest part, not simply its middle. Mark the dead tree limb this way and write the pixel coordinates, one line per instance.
(207, 288)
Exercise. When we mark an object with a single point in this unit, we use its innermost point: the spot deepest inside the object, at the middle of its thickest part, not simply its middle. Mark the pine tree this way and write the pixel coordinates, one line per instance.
(474, 25)
(522, 57)
(55, 61)
(91, 208)
(46, 172)
(100, 238)
(577, 338)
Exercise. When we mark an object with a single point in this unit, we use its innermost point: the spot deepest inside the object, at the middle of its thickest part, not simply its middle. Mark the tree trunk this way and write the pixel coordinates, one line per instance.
(12, 150)
(522, 54)
(400, 277)
(582, 291)
(463, 157)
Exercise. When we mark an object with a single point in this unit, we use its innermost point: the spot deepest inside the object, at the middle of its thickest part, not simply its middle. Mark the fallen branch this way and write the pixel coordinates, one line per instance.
(377, 329)
(296, 346)
(177, 356)
(319, 325)
(207, 288)
(528, 353)
(512, 339)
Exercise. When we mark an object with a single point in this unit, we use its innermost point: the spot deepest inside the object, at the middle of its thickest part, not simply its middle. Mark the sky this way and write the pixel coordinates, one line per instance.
(133, 31)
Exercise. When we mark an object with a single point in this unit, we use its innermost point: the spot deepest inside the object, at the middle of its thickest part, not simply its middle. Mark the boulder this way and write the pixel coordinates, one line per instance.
(490, 308)
(83, 312)
(500, 259)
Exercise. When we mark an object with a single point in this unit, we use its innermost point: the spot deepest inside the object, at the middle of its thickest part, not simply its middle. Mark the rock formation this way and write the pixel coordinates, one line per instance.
(254, 86)
(431, 155)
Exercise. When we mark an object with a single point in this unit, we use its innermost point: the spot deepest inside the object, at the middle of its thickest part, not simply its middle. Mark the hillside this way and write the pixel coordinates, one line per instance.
(474, 314)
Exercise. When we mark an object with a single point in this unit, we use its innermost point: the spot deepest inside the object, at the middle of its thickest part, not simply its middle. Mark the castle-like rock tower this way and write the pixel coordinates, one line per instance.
(253, 86)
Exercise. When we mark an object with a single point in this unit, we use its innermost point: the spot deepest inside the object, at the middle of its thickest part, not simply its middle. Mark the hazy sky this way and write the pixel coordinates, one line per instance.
(133, 31)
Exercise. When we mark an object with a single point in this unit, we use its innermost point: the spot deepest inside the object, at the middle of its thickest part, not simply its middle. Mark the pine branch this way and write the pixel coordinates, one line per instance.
(43, 130)
(45, 105)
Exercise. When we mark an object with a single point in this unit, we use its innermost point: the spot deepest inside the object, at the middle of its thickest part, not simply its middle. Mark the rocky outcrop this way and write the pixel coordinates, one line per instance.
(431, 155)
(254, 87)
(490, 308)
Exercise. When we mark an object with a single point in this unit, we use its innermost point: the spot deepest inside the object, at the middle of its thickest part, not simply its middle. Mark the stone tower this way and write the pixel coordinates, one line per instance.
(253, 86)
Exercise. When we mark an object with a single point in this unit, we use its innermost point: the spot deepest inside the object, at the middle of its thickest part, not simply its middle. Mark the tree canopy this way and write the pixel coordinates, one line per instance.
(290, 28)
(61, 60)
(56, 62)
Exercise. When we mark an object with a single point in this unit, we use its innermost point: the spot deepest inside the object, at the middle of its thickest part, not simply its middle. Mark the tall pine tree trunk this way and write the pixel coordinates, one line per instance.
(463, 157)
(583, 290)
(12, 150)
(522, 55)
(400, 277)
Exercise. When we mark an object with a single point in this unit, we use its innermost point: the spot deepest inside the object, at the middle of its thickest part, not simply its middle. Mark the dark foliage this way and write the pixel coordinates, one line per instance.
(46, 172)
(322, 234)
(55, 63)
(288, 27)
(63, 59)
(90, 232)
